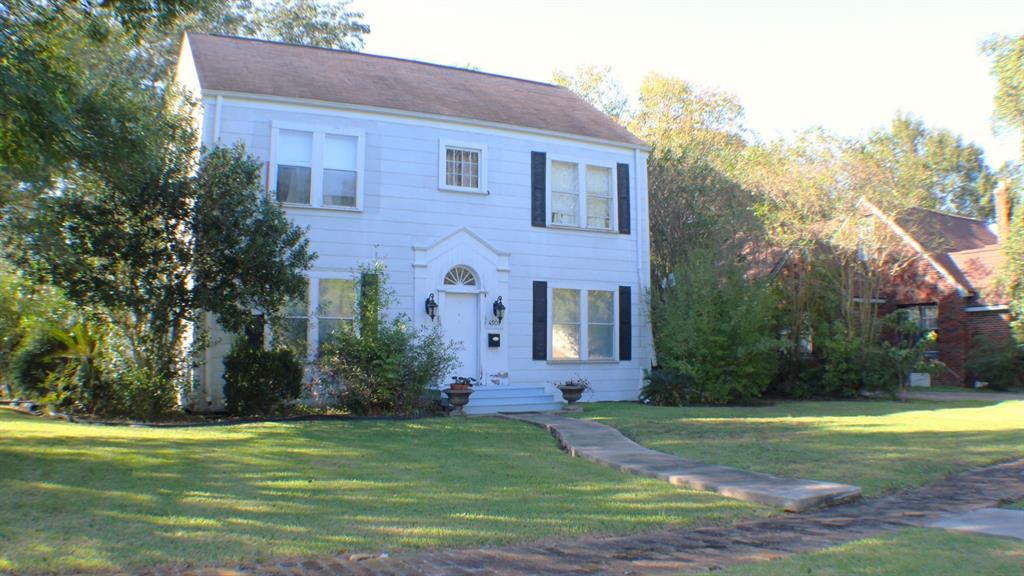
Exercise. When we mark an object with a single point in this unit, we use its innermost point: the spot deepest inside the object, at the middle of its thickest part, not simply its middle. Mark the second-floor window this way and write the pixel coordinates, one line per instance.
(582, 195)
(462, 167)
(316, 168)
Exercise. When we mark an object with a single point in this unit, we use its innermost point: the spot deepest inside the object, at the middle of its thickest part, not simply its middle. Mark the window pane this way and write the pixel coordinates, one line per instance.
(326, 327)
(600, 306)
(337, 298)
(293, 335)
(599, 341)
(296, 307)
(462, 168)
(339, 188)
(599, 212)
(294, 147)
(565, 341)
(564, 208)
(340, 152)
(565, 305)
(599, 181)
(564, 177)
(293, 184)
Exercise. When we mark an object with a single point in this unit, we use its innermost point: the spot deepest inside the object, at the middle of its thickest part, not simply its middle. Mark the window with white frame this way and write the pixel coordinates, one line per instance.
(462, 167)
(599, 197)
(565, 193)
(294, 166)
(294, 330)
(581, 195)
(316, 168)
(329, 304)
(336, 307)
(582, 324)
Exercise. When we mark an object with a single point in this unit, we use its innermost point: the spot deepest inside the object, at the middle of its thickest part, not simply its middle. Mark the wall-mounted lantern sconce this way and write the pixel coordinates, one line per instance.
(431, 306)
(499, 310)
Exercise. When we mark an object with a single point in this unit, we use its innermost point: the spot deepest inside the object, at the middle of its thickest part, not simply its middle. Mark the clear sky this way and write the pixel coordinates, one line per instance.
(848, 66)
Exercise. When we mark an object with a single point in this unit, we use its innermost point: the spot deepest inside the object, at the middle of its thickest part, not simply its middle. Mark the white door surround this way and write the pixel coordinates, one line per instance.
(463, 270)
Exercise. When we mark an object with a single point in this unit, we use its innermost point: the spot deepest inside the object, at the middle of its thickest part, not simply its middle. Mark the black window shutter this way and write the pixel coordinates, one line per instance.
(538, 186)
(540, 320)
(623, 186)
(625, 324)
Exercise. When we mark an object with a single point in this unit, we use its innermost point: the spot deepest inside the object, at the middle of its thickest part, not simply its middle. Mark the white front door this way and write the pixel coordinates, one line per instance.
(461, 323)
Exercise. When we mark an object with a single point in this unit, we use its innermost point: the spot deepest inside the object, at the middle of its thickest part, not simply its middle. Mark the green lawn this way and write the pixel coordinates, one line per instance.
(909, 552)
(879, 446)
(79, 497)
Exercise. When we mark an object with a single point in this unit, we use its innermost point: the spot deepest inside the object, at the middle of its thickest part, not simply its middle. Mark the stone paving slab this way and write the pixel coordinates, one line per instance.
(606, 445)
(990, 521)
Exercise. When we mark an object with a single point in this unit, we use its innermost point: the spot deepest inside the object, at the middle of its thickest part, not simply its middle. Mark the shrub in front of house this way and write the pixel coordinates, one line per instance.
(260, 382)
(716, 325)
(1000, 363)
(385, 366)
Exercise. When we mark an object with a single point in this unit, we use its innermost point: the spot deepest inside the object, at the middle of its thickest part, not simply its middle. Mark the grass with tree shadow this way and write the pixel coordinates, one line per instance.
(879, 446)
(83, 497)
(908, 552)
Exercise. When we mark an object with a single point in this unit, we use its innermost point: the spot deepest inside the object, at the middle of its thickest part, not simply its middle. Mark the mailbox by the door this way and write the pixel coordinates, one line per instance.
(493, 340)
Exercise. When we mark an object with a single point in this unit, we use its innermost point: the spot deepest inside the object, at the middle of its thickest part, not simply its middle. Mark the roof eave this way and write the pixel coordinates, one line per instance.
(639, 145)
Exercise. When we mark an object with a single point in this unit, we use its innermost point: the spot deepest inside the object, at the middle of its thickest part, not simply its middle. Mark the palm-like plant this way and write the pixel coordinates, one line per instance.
(75, 384)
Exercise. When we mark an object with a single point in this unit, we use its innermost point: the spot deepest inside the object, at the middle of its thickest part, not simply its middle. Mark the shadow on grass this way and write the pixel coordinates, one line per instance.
(96, 498)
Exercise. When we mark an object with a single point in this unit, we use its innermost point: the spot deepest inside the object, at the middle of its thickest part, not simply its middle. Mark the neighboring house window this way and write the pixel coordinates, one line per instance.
(462, 167)
(927, 317)
(317, 168)
(593, 206)
(337, 307)
(582, 324)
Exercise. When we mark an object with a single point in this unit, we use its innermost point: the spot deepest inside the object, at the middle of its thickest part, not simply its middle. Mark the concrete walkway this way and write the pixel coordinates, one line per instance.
(606, 445)
(989, 521)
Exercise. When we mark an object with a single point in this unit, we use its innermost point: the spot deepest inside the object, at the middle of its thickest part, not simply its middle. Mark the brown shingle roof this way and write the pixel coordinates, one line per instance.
(286, 70)
(938, 232)
(981, 269)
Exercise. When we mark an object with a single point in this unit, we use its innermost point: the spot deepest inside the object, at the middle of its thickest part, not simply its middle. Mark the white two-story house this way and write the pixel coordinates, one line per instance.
(473, 188)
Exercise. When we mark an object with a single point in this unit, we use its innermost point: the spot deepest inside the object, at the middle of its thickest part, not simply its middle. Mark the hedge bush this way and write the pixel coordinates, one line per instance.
(260, 382)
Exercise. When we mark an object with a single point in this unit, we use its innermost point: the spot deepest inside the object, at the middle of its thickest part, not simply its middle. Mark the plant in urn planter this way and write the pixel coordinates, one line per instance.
(458, 393)
(572, 390)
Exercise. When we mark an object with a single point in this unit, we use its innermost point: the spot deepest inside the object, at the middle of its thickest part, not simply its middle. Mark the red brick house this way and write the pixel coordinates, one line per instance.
(950, 286)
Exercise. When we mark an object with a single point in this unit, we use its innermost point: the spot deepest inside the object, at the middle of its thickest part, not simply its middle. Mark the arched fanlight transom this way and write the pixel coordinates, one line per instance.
(460, 276)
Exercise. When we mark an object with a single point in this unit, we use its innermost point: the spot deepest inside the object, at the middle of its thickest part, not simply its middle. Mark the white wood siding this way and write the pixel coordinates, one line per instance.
(403, 207)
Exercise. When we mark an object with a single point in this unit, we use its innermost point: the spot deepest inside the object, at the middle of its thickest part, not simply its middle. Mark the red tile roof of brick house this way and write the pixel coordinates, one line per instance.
(247, 66)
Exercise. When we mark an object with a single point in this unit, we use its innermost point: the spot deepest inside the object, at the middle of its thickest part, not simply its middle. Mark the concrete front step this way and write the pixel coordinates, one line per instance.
(494, 399)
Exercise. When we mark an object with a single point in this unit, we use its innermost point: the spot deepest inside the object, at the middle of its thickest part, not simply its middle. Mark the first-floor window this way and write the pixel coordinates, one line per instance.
(600, 324)
(337, 307)
(927, 317)
(330, 301)
(293, 333)
(582, 324)
(565, 324)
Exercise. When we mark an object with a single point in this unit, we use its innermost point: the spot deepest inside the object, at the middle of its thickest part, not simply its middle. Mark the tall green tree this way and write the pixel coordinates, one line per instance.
(932, 168)
(696, 137)
(598, 86)
(150, 244)
(1007, 56)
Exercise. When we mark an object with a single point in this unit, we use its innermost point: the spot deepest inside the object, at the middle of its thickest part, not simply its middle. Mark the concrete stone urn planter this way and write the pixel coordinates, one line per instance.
(458, 398)
(572, 390)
